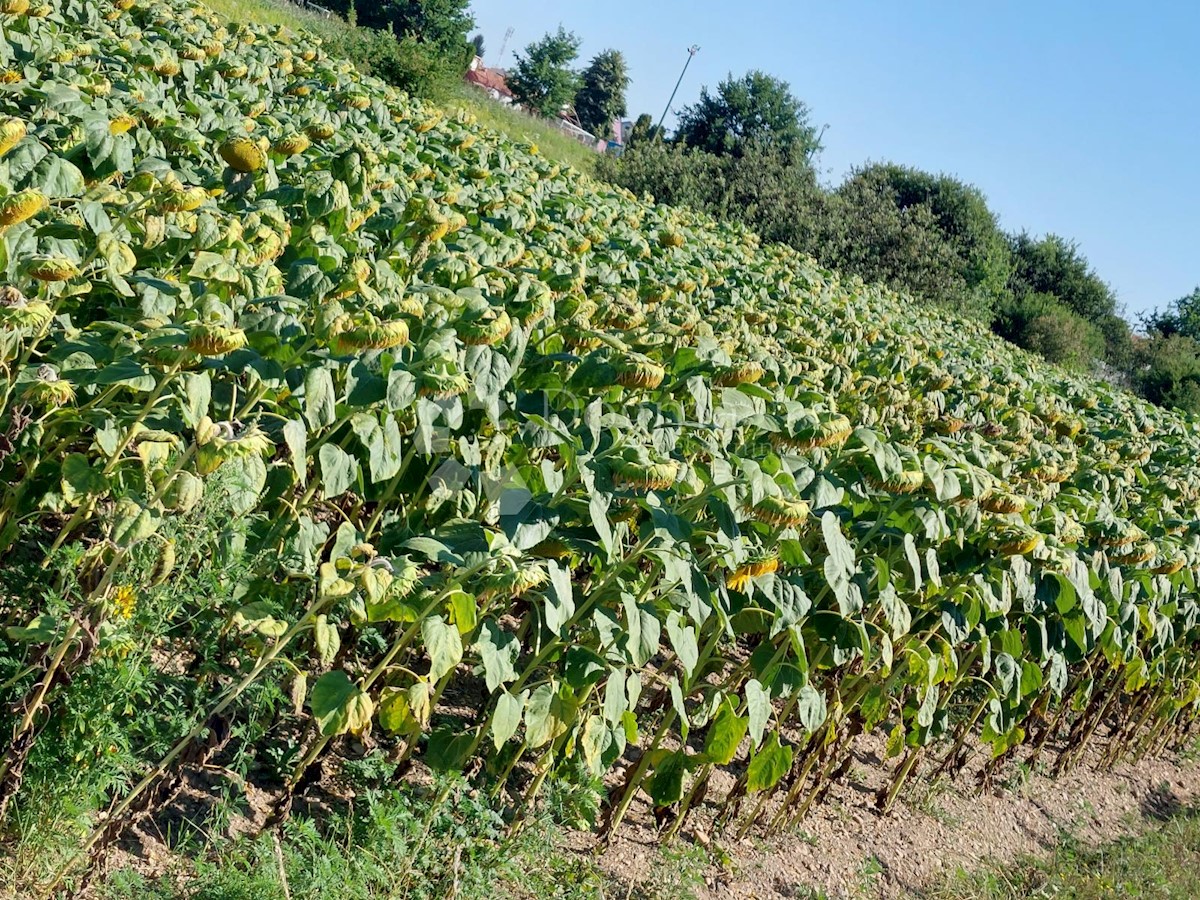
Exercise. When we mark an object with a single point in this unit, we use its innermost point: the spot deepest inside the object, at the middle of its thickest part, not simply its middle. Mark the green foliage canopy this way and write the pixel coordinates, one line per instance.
(542, 79)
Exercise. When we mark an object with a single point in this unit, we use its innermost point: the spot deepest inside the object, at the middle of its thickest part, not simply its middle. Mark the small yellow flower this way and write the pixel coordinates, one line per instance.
(124, 601)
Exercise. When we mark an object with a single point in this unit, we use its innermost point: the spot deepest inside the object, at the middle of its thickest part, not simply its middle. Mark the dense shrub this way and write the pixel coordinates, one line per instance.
(409, 64)
(1168, 371)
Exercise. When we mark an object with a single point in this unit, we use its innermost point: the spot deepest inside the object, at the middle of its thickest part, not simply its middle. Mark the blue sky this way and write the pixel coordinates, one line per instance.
(1080, 118)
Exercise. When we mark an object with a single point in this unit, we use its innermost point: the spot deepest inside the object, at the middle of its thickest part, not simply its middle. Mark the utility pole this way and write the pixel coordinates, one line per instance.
(692, 51)
(503, 47)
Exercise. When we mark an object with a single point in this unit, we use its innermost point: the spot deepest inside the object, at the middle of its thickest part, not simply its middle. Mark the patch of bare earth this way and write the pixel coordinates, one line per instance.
(846, 849)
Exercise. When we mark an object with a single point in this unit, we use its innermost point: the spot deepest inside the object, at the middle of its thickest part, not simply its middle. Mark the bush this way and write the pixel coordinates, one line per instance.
(1043, 324)
(1168, 371)
(1064, 338)
(413, 66)
(773, 191)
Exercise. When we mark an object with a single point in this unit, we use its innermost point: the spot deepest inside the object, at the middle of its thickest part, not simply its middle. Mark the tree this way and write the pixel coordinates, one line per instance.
(1054, 265)
(477, 43)
(439, 23)
(1180, 317)
(542, 80)
(601, 98)
(643, 130)
(931, 235)
(756, 109)
(1169, 371)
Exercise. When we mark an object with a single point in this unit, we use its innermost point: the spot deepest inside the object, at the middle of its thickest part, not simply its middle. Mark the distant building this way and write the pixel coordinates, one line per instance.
(490, 80)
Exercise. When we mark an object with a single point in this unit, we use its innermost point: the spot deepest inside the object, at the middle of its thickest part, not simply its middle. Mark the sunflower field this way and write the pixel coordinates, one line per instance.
(516, 474)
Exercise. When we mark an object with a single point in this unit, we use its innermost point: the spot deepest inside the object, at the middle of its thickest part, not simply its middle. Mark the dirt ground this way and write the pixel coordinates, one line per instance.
(843, 847)
(846, 849)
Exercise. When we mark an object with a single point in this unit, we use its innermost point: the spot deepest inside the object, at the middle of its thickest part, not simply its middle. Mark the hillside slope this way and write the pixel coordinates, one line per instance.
(342, 422)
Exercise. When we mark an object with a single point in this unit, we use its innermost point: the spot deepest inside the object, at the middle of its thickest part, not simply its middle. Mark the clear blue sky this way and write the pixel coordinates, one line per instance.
(1079, 118)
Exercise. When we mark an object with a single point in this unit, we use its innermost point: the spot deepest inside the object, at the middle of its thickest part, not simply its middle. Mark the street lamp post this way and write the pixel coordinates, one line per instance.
(692, 51)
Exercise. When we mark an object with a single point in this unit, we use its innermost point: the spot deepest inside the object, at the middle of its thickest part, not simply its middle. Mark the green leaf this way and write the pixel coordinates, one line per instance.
(395, 714)
(683, 640)
(839, 564)
(56, 178)
(443, 646)
(327, 639)
(758, 708)
(498, 651)
(214, 267)
(295, 435)
(725, 735)
(447, 749)
(339, 705)
(542, 723)
(594, 741)
(507, 717)
(339, 470)
(320, 398)
(665, 786)
(80, 479)
(133, 522)
(810, 708)
(40, 630)
(768, 765)
(560, 599)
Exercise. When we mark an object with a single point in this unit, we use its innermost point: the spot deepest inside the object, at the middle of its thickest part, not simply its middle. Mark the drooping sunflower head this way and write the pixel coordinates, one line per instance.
(670, 239)
(731, 376)
(1135, 555)
(645, 476)
(760, 563)
(1015, 540)
(292, 144)
(780, 512)
(51, 268)
(16, 311)
(819, 429)
(637, 371)
(484, 329)
(211, 339)
(12, 132)
(519, 579)
(48, 390)
(1003, 502)
(242, 154)
(907, 479)
(22, 205)
(362, 331)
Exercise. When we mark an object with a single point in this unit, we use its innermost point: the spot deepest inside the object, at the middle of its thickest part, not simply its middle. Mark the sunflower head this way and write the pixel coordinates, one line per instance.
(17, 311)
(211, 339)
(780, 512)
(12, 132)
(637, 371)
(292, 144)
(48, 391)
(51, 268)
(362, 331)
(642, 476)
(732, 376)
(242, 154)
(22, 205)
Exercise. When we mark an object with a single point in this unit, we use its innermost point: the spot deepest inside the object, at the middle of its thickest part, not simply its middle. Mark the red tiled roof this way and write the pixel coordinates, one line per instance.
(489, 79)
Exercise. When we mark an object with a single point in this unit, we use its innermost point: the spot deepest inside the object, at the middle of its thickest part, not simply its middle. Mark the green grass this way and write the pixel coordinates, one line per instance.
(1163, 862)
(518, 125)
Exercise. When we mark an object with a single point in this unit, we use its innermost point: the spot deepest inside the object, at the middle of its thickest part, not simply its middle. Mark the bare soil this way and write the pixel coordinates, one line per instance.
(847, 850)
(843, 848)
